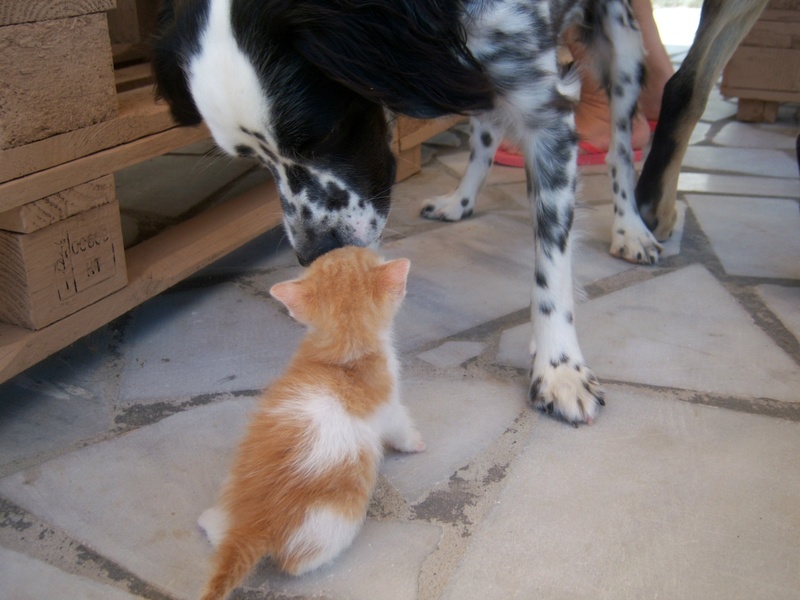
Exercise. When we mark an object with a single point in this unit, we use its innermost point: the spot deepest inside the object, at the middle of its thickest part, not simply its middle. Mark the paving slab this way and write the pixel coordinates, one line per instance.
(136, 498)
(25, 578)
(684, 330)
(756, 237)
(458, 419)
(219, 339)
(452, 354)
(778, 136)
(659, 498)
(442, 298)
(785, 303)
(734, 185)
(741, 161)
(681, 330)
(384, 562)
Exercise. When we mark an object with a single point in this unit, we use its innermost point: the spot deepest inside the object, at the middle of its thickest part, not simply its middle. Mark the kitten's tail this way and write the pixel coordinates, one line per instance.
(233, 560)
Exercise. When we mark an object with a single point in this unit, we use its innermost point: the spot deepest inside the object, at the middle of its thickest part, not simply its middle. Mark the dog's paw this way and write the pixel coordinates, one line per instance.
(635, 244)
(448, 208)
(568, 390)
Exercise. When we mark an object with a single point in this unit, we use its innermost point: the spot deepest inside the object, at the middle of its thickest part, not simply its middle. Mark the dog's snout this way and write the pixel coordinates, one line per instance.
(322, 244)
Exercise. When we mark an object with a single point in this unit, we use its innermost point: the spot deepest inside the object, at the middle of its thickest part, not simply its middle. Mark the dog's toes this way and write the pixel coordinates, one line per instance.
(640, 249)
(447, 208)
(568, 391)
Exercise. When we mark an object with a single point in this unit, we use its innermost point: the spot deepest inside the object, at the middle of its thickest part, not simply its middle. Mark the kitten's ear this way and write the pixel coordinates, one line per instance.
(395, 274)
(292, 295)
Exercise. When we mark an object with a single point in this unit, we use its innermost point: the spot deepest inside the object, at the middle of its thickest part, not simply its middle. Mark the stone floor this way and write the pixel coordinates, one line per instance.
(686, 486)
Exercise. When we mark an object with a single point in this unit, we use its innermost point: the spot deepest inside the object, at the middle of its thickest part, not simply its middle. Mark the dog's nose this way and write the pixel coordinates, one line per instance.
(322, 245)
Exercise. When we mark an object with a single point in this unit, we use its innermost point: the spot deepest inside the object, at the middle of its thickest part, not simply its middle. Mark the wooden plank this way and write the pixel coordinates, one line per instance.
(38, 185)
(57, 207)
(764, 68)
(756, 94)
(138, 117)
(134, 76)
(30, 11)
(769, 34)
(153, 266)
(408, 163)
(413, 132)
(46, 89)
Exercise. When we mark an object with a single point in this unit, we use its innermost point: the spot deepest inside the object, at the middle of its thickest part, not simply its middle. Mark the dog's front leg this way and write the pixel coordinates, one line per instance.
(561, 382)
(484, 140)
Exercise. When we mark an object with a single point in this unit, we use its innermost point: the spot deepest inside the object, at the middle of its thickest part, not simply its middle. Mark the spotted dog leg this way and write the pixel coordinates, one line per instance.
(617, 47)
(561, 381)
(485, 139)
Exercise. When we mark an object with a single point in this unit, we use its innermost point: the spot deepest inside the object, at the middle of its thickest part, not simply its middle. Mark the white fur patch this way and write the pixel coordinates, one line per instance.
(333, 434)
(225, 85)
(324, 534)
(214, 523)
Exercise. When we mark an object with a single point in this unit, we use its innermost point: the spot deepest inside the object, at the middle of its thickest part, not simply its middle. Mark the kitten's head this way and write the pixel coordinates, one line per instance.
(349, 292)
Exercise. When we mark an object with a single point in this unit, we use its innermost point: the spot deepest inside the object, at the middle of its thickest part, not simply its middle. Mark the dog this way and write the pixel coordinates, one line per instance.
(303, 85)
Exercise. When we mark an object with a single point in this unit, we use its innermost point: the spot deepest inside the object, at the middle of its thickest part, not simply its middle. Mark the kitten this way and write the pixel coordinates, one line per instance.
(305, 471)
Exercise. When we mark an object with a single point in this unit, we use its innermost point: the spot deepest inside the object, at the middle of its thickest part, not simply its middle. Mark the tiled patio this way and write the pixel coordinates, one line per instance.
(686, 486)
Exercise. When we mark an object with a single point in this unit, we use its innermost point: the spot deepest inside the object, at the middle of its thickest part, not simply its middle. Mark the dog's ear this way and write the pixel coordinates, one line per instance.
(176, 37)
(408, 55)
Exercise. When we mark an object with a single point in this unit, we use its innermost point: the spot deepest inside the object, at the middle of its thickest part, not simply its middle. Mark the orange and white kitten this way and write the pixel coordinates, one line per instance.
(305, 471)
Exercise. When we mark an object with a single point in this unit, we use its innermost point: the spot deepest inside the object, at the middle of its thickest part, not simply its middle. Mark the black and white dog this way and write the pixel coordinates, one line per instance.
(302, 86)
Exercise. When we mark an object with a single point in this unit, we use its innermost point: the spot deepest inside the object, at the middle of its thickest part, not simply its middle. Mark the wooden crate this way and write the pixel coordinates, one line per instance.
(764, 72)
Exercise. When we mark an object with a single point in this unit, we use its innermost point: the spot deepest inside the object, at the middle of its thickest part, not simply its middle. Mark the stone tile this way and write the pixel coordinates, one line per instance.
(684, 330)
(712, 183)
(740, 161)
(718, 107)
(658, 499)
(752, 236)
(150, 186)
(785, 303)
(443, 298)
(458, 419)
(699, 133)
(384, 562)
(775, 136)
(60, 402)
(25, 578)
(452, 354)
(135, 499)
(514, 349)
(218, 339)
(104, 496)
(593, 229)
(271, 251)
